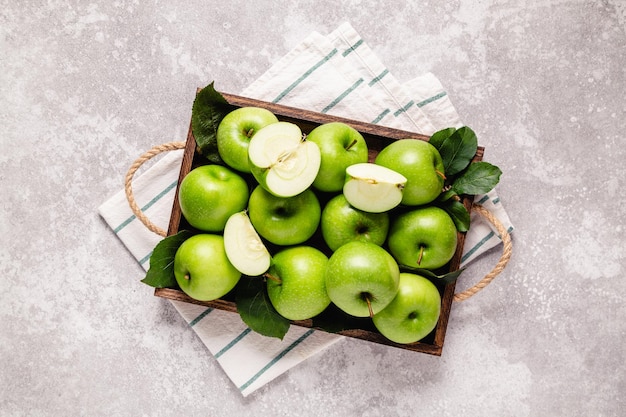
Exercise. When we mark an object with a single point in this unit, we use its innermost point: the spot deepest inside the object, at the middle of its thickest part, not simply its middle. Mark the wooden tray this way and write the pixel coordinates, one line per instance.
(377, 137)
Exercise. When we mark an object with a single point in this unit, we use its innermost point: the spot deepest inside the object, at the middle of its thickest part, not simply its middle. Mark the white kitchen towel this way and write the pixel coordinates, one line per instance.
(336, 74)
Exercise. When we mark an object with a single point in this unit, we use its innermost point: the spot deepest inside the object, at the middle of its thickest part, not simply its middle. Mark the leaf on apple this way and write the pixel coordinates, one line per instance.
(256, 309)
(457, 148)
(445, 279)
(208, 110)
(458, 213)
(479, 178)
(161, 271)
(440, 136)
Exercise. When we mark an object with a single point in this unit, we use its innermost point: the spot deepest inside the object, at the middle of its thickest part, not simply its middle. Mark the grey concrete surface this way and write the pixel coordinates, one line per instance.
(86, 87)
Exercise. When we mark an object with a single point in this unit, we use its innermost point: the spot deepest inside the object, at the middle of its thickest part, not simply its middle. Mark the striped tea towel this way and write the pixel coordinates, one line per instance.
(335, 74)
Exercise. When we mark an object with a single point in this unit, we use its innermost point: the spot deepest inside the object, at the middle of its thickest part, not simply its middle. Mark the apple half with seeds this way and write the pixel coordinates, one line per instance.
(282, 160)
(373, 188)
(244, 248)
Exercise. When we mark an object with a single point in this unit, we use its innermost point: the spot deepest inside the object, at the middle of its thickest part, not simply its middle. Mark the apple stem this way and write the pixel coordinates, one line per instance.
(441, 174)
(369, 306)
(419, 259)
(187, 277)
(250, 132)
(354, 141)
(272, 277)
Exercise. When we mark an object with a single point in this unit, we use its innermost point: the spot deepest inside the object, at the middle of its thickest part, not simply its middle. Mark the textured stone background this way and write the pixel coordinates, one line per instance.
(86, 87)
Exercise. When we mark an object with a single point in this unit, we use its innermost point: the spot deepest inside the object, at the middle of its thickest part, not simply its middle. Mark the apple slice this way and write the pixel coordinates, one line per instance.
(282, 161)
(373, 188)
(244, 248)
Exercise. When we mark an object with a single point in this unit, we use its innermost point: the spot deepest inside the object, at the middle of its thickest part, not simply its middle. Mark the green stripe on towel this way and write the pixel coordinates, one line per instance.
(304, 76)
(380, 116)
(403, 109)
(233, 343)
(147, 206)
(342, 95)
(379, 77)
(431, 99)
(275, 360)
(352, 48)
(200, 317)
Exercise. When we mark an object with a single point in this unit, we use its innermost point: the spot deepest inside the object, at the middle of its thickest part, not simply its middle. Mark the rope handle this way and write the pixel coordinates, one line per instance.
(507, 250)
(166, 147)
(461, 296)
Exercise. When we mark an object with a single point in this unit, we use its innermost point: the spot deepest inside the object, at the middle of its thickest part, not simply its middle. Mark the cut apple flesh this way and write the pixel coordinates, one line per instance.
(373, 188)
(283, 162)
(244, 248)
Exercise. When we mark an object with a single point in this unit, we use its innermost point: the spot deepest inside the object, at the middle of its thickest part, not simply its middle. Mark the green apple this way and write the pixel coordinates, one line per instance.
(413, 313)
(244, 247)
(210, 194)
(424, 237)
(202, 268)
(284, 220)
(373, 188)
(296, 282)
(361, 278)
(342, 223)
(420, 162)
(282, 161)
(340, 146)
(234, 133)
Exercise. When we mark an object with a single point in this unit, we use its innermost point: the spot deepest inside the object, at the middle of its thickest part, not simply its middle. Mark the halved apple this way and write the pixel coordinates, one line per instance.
(244, 248)
(373, 188)
(282, 160)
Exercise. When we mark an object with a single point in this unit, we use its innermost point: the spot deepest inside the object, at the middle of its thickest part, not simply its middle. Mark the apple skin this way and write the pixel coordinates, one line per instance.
(340, 146)
(358, 271)
(421, 163)
(234, 133)
(413, 313)
(342, 223)
(284, 221)
(301, 294)
(202, 259)
(210, 194)
(430, 228)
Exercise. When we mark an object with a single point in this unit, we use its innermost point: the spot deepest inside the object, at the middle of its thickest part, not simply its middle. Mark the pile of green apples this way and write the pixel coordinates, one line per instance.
(256, 214)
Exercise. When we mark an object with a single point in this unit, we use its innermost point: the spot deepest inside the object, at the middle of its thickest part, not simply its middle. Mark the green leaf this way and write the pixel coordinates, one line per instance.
(479, 178)
(256, 310)
(459, 214)
(440, 136)
(458, 150)
(446, 195)
(161, 271)
(209, 108)
(447, 278)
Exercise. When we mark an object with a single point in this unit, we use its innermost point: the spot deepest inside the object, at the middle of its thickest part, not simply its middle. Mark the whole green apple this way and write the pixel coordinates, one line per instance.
(210, 194)
(413, 313)
(296, 282)
(421, 164)
(424, 237)
(202, 268)
(284, 220)
(282, 161)
(361, 278)
(234, 133)
(342, 223)
(340, 146)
